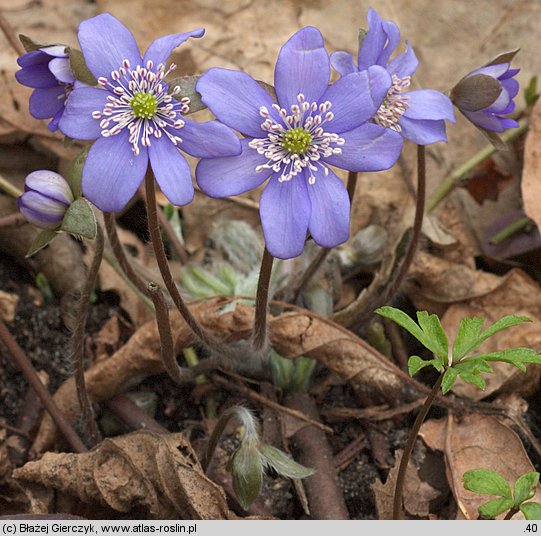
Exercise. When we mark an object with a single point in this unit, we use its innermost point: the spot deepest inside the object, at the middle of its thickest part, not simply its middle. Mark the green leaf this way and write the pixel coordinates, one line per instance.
(495, 507)
(504, 323)
(403, 320)
(525, 487)
(282, 463)
(449, 379)
(29, 44)
(466, 338)
(531, 511)
(304, 366)
(503, 57)
(75, 174)
(486, 482)
(246, 467)
(41, 240)
(80, 220)
(431, 326)
(530, 93)
(281, 369)
(415, 364)
(476, 92)
(514, 356)
(475, 379)
(470, 370)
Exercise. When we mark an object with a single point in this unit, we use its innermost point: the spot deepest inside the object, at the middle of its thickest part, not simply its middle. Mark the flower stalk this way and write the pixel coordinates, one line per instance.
(259, 338)
(408, 449)
(78, 340)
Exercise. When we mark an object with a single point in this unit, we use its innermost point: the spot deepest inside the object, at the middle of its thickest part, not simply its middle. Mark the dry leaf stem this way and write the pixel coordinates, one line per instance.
(259, 338)
(325, 496)
(408, 449)
(78, 340)
(32, 378)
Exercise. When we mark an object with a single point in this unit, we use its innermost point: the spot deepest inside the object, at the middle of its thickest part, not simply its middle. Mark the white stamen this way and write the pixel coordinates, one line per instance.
(117, 113)
(309, 118)
(394, 105)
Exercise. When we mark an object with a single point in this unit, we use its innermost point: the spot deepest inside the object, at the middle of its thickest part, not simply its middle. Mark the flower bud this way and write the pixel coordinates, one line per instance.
(46, 199)
(485, 96)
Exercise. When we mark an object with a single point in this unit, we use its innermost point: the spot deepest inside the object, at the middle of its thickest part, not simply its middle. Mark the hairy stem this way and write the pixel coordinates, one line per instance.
(161, 258)
(25, 366)
(120, 254)
(408, 449)
(78, 340)
(259, 337)
(167, 345)
(417, 225)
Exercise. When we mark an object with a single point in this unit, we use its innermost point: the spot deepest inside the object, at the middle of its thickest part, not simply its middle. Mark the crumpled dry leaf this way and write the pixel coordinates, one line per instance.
(155, 474)
(531, 186)
(292, 335)
(477, 442)
(417, 493)
(8, 304)
(516, 294)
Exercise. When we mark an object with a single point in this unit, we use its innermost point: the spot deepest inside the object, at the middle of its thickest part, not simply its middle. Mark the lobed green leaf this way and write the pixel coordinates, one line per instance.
(449, 379)
(282, 463)
(531, 511)
(467, 336)
(525, 487)
(495, 507)
(486, 482)
(431, 326)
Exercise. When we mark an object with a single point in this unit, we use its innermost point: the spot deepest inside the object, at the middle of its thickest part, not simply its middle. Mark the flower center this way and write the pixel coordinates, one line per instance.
(139, 100)
(144, 105)
(296, 141)
(394, 105)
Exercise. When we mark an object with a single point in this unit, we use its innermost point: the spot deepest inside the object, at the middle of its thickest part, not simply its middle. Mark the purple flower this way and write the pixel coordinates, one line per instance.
(46, 199)
(417, 115)
(314, 125)
(134, 119)
(48, 71)
(486, 95)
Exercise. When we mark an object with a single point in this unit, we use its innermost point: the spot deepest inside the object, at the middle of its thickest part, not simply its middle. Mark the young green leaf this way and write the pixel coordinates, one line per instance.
(475, 379)
(41, 240)
(467, 336)
(504, 323)
(415, 364)
(514, 356)
(403, 320)
(449, 379)
(431, 326)
(282, 463)
(495, 507)
(531, 511)
(80, 220)
(246, 466)
(486, 482)
(525, 487)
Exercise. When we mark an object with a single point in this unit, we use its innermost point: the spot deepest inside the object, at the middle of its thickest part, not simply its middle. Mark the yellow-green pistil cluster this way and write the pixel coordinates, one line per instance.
(296, 140)
(144, 105)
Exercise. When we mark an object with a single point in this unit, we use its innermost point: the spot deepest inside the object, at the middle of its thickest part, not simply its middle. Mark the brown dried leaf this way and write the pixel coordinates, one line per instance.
(516, 294)
(8, 304)
(157, 475)
(531, 186)
(417, 493)
(292, 335)
(5, 463)
(477, 442)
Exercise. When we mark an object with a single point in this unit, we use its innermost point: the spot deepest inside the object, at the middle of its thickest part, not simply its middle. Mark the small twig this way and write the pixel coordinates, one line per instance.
(14, 430)
(349, 453)
(511, 513)
(8, 31)
(408, 449)
(270, 403)
(32, 378)
(167, 345)
(132, 415)
(13, 220)
(120, 254)
(78, 340)
(325, 496)
(161, 258)
(259, 338)
(9, 188)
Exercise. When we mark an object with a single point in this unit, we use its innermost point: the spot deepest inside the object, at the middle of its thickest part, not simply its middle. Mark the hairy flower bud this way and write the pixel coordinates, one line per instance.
(46, 199)
(485, 96)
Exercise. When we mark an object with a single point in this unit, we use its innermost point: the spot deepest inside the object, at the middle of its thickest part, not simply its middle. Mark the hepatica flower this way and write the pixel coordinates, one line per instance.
(313, 125)
(46, 199)
(135, 119)
(48, 71)
(417, 115)
(485, 96)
